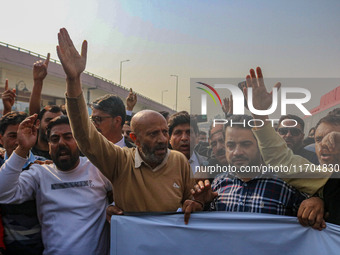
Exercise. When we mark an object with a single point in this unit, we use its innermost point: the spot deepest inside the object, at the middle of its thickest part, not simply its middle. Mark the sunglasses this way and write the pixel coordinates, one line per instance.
(99, 119)
(292, 131)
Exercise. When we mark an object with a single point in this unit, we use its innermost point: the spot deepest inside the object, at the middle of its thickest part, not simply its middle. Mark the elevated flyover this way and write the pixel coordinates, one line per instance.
(16, 65)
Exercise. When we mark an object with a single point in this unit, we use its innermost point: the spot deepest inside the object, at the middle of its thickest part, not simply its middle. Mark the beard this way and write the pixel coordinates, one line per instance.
(65, 164)
(150, 156)
(220, 156)
(43, 136)
(246, 162)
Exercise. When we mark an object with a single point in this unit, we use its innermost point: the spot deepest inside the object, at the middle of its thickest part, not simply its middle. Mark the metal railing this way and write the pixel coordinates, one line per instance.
(58, 62)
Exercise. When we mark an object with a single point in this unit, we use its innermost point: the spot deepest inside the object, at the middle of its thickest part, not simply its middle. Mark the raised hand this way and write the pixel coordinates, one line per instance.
(8, 98)
(261, 98)
(227, 107)
(39, 74)
(332, 142)
(26, 135)
(131, 100)
(73, 63)
(40, 69)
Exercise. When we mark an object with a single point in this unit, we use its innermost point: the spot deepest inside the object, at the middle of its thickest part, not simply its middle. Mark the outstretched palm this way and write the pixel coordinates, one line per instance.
(131, 100)
(262, 100)
(27, 132)
(73, 63)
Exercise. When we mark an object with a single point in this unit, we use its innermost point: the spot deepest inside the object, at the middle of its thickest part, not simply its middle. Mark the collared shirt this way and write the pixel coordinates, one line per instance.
(139, 161)
(259, 195)
(121, 143)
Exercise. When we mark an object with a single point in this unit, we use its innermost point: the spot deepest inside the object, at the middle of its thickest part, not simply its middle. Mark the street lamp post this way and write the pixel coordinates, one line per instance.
(120, 70)
(174, 75)
(162, 94)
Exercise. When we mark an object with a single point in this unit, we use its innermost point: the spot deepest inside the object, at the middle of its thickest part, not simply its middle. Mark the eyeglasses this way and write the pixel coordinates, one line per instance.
(292, 131)
(98, 119)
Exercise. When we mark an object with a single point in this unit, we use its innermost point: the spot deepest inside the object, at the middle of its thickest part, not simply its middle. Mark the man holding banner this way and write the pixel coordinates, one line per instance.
(275, 153)
(250, 189)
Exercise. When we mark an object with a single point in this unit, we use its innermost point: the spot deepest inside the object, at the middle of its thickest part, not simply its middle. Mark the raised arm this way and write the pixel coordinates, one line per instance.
(73, 63)
(227, 107)
(103, 154)
(39, 74)
(17, 186)
(8, 98)
(26, 135)
(274, 149)
(261, 98)
(131, 101)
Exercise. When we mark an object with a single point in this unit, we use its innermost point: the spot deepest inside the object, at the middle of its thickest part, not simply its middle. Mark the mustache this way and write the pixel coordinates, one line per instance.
(63, 149)
(239, 158)
(160, 147)
(220, 152)
(184, 143)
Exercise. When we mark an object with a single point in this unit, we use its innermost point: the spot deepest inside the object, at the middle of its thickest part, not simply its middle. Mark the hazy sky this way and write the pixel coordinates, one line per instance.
(192, 39)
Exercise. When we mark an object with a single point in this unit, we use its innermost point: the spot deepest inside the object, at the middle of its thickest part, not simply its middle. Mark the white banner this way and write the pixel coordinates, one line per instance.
(219, 233)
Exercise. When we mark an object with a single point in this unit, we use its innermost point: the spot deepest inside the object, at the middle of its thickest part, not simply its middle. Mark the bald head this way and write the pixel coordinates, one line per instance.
(151, 136)
(145, 118)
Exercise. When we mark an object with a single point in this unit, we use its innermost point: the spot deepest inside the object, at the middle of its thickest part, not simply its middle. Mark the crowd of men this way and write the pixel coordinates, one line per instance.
(65, 173)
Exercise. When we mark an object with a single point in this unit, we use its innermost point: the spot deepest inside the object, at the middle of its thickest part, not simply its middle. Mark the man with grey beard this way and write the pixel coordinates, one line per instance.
(147, 178)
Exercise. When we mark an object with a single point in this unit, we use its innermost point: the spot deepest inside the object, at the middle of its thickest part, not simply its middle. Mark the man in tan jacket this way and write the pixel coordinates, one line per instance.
(147, 178)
